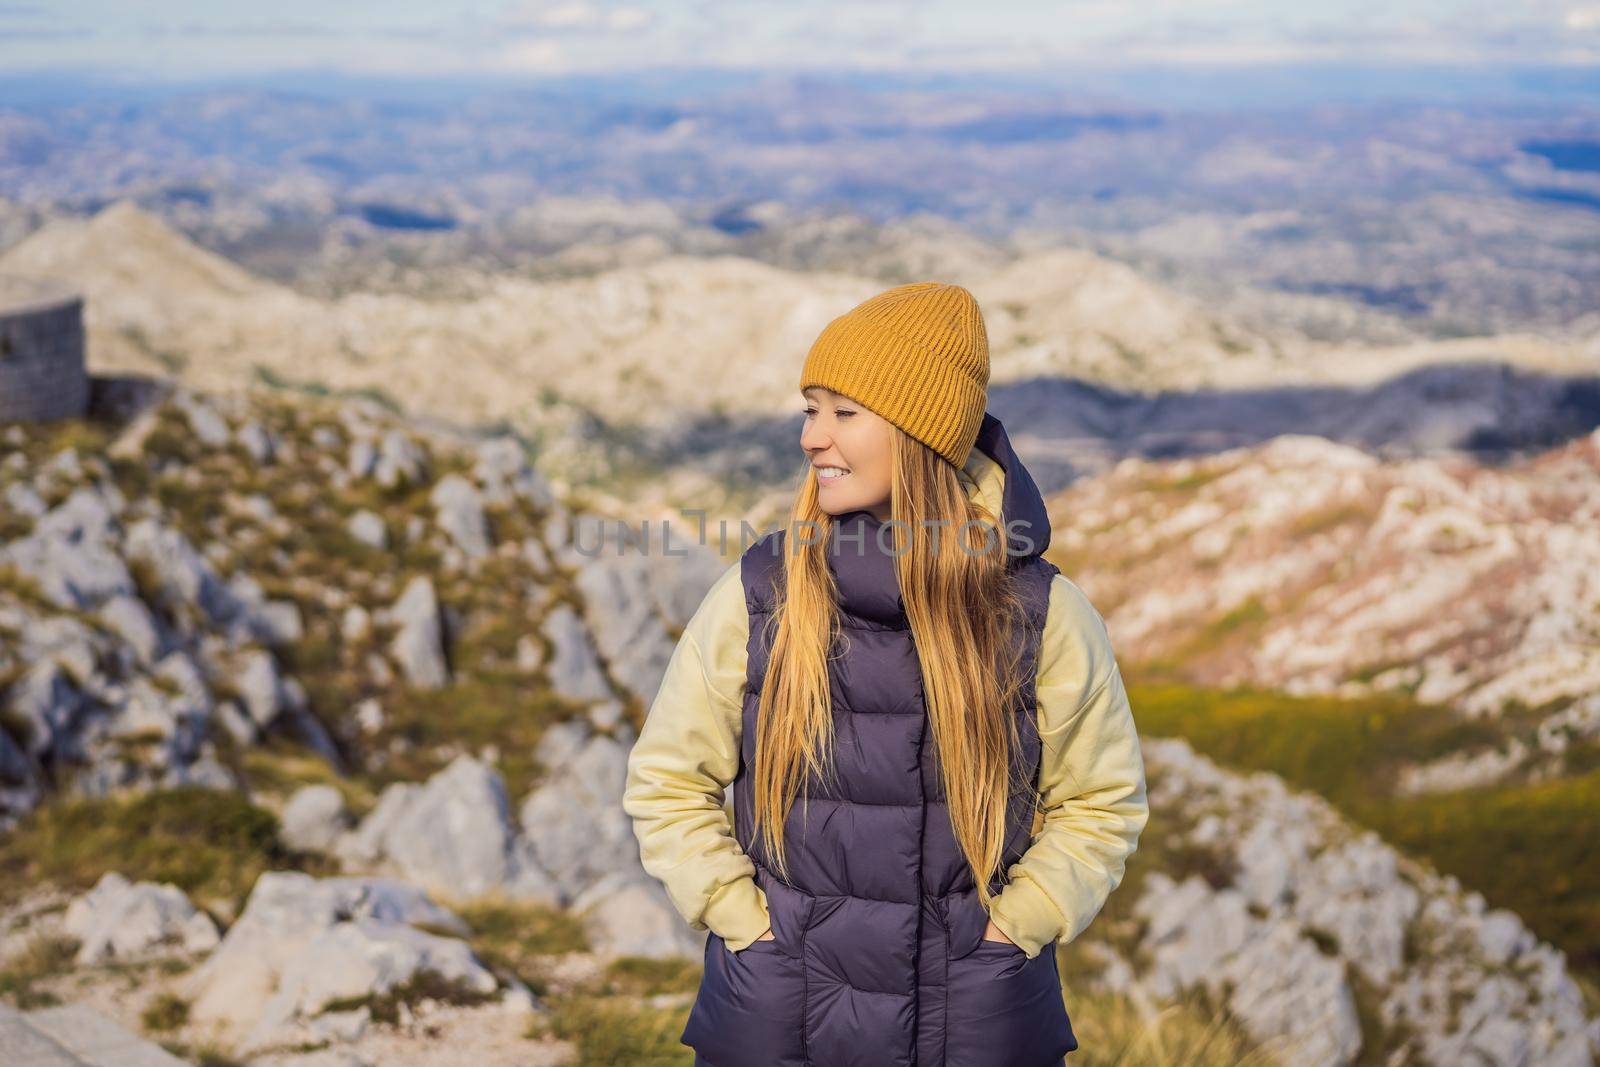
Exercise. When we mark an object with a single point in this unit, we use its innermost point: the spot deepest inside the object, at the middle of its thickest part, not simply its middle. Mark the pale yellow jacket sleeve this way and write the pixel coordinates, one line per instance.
(1091, 781)
(681, 766)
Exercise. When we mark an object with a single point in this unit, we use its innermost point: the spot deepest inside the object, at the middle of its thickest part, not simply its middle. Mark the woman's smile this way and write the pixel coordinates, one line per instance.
(826, 476)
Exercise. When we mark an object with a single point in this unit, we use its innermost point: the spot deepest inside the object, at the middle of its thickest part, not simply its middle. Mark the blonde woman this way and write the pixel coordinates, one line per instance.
(936, 776)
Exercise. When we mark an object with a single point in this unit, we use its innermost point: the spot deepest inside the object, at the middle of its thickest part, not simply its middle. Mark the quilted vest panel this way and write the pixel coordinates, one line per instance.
(877, 957)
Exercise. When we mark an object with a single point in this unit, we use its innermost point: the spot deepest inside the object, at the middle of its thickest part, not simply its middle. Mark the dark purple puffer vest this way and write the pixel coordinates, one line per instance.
(878, 957)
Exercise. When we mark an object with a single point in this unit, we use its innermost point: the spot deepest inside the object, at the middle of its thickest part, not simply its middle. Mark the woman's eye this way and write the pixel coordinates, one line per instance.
(844, 414)
(808, 412)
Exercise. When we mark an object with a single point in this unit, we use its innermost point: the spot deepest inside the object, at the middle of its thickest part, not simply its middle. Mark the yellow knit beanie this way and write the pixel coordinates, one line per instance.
(918, 355)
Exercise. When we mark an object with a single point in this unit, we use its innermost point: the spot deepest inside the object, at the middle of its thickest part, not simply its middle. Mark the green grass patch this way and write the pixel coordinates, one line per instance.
(43, 958)
(644, 976)
(510, 937)
(279, 766)
(1186, 483)
(1524, 846)
(612, 1030)
(203, 1055)
(1207, 640)
(1326, 518)
(167, 1011)
(501, 708)
(24, 587)
(1345, 749)
(1527, 847)
(210, 843)
(14, 524)
(266, 376)
(1193, 1030)
(424, 985)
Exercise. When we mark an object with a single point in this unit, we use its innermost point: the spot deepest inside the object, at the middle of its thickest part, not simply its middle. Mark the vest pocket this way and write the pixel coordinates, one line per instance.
(750, 1007)
(964, 922)
(1003, 1007)
(788, 910)
(1002, 948)
(752, 1003)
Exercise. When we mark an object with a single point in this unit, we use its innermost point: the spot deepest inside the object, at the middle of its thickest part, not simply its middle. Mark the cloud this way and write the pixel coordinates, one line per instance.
(47, 33)
(530, 56)
(578, 16)
(1583, 18)
(282, 28)
(553, 36)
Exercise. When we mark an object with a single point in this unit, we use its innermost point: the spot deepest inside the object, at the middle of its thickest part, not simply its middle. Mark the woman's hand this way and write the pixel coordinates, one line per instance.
(994, 933)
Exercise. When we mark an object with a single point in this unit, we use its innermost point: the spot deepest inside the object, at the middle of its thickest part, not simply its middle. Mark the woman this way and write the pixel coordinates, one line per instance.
(941, 701)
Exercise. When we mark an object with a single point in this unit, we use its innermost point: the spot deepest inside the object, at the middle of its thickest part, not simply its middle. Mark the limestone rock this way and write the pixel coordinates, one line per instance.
(453, 832)
(302, 943)
(314, 819)
(418, 645)
(459, 512)
(122, 920)
(574, 668)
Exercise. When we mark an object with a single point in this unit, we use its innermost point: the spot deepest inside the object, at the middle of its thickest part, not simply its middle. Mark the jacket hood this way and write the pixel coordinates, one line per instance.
(996, 478)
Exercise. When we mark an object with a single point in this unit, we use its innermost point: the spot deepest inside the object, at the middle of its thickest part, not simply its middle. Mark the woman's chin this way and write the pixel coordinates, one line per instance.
(837, 504)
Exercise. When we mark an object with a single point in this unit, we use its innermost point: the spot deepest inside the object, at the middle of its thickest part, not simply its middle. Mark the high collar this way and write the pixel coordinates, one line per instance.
(993, 472)
(863, 562)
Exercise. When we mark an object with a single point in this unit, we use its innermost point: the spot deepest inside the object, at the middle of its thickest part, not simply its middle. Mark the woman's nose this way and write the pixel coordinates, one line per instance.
(813, 438)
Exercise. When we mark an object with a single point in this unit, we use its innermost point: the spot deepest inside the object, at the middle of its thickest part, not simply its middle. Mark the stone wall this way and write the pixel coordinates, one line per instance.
(43, 372)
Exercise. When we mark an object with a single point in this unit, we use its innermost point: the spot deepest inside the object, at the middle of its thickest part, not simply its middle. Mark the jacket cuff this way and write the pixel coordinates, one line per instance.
(1026, 915)
(737, 913)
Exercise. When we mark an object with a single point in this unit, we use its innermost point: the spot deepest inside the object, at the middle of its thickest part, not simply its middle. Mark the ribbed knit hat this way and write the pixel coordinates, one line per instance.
(918, 355)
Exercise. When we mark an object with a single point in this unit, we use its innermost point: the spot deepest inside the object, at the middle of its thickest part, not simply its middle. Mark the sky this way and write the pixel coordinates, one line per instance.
(188, 39)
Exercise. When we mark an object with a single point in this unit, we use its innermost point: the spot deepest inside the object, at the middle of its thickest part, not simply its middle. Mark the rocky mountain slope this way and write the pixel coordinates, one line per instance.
(1412, 638)
(1329, 946)
(300, 559)
(292, 684)
(373, 634)
(1317, 568)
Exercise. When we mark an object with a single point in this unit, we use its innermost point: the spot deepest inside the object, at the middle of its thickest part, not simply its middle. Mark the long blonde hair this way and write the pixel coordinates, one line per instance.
(965, 613)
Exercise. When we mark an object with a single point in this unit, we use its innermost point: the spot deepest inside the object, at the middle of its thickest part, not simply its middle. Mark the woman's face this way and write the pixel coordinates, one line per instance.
(840, 433)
